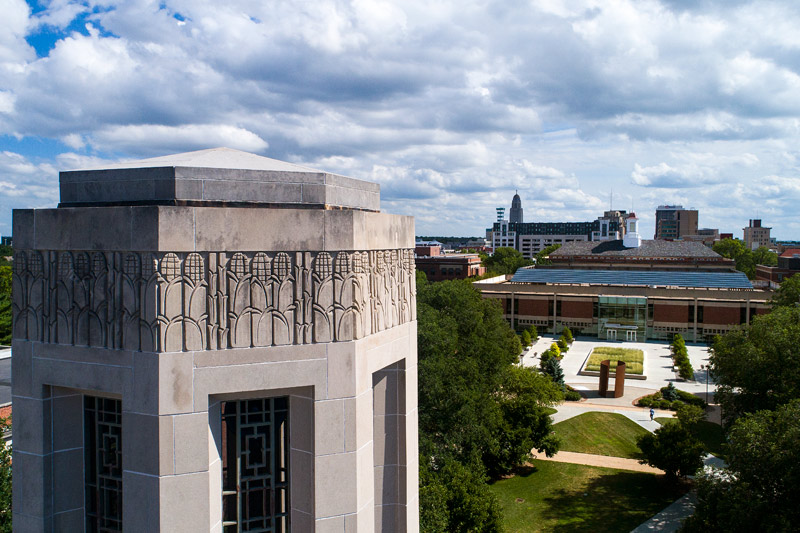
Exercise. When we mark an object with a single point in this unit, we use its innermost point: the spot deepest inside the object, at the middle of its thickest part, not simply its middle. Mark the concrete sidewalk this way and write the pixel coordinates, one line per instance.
(670, 518)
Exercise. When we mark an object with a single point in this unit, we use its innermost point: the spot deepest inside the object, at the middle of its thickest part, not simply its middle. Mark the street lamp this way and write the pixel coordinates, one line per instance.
(707, 368)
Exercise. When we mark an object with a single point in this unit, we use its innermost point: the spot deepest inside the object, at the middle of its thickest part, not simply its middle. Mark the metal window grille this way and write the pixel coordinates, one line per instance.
(255, 465)
(103, 464)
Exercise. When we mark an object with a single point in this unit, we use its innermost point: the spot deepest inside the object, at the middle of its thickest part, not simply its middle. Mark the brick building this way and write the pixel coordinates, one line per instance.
(788, 265)
(438, 266)
(619, 292)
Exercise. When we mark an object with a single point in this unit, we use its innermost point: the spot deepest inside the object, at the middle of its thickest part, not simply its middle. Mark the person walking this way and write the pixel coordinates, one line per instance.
(652, 413)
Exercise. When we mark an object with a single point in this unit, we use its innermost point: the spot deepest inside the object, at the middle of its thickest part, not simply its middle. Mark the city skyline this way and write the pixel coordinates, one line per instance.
(450, 107)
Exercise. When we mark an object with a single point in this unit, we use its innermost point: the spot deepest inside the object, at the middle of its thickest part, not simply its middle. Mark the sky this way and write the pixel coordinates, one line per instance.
(450, 105)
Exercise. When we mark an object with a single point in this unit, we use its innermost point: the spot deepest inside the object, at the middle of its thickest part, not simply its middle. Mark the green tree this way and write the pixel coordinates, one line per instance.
(757, 367)
(533, 332)
(567, 334)
(764, 256)
(5, 305)
(542, 257)
(760, 488)
(526, 338)
(735, 249)
(673, 449)
(552, 367)
(690, 416)
(479, 413)
(453, 497)
(5, 481)
(788, 294)
(505, 261)
(562, 344)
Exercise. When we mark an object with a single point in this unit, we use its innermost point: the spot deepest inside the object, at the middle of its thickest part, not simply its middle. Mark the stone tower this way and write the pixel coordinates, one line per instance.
(214, 341)
(515, 215)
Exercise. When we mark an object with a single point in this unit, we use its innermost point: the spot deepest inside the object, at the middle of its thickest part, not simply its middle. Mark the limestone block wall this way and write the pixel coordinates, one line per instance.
(174, 310)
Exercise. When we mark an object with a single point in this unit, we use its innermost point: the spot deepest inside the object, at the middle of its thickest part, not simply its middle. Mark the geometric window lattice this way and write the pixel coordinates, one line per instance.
(260, 267)
(35, 264)
(255, 459)
(342, 263)
(283, 265)
(170, 267)
(131, 265)
(238, 264)
(103, 463)
(98, 264)
(322, 265)
(193, 268)
(19, 263)
(65, 269)
(82, 265)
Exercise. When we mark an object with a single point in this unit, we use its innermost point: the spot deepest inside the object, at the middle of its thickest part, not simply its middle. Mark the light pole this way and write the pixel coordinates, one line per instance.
(707, 368)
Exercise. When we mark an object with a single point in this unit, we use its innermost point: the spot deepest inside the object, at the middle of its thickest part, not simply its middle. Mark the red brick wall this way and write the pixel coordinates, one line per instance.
(572, 309)
(671, 313)
(720, 315)
(534, 307)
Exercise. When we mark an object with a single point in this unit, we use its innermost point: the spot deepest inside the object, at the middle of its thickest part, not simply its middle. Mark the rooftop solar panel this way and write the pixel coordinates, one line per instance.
(649, 278)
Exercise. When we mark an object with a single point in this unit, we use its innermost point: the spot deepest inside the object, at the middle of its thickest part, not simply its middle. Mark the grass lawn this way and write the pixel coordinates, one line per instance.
(709, 433)
(563, 497)
(634, 359)
(550, 410)
(601, 434)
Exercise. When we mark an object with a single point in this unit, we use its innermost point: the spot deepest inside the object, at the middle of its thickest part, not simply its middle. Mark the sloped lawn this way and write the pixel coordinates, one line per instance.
(601, 434)
(563, 497)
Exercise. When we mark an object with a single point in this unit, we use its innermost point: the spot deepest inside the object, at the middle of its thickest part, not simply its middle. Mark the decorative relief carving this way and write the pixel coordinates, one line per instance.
(196, 301)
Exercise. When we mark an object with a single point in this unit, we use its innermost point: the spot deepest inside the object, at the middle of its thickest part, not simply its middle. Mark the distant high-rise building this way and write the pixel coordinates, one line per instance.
(756, 235)
(515, 215)
(674, 222)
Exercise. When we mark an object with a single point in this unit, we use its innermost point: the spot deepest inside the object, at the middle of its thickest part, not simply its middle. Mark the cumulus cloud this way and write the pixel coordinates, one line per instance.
(447, 105)
(670, 177)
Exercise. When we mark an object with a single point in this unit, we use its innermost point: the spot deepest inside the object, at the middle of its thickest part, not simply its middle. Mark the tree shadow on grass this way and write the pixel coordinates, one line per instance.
(617, 501)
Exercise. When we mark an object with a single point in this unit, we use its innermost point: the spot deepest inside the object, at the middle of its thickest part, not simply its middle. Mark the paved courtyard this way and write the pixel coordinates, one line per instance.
(657, 368)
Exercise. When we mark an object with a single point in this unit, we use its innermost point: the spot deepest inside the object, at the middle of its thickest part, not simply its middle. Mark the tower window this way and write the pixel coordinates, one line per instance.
(103, 463)
(255, 465)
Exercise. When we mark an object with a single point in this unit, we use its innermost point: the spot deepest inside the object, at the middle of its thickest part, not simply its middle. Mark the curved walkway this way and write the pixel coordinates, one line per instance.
(590, 459)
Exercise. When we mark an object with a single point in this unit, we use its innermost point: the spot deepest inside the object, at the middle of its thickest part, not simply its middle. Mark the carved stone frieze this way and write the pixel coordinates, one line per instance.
(209, 300)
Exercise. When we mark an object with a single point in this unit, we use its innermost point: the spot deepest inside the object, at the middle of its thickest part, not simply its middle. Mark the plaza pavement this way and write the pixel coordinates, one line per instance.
(657, 368)
(659, 372)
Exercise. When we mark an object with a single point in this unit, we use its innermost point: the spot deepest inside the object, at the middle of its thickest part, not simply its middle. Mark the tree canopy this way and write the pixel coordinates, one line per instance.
(5, 305)
(758, 367)
(479, 413)
(788, 294)
(760, 489)
(505, 261)
(541, 257)
(746, 259)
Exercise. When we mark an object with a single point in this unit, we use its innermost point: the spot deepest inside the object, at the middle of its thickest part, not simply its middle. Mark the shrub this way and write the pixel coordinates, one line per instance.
(645, 401)
(572, 396)
(688, 397)
(675, 405)
(555, 351)
(669, 392)
(690, 416)
(685, 370)
(562, 344)
(673, 449)
(526, 338)
(664, 404)
(533, 333)
(567, 334)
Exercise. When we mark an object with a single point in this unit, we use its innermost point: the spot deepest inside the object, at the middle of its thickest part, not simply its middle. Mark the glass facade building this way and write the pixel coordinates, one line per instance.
(622, 318)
